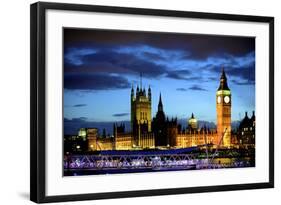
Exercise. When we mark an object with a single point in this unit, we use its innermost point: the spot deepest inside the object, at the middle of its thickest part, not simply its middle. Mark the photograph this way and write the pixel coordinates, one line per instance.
(140, 101)
(146, 101)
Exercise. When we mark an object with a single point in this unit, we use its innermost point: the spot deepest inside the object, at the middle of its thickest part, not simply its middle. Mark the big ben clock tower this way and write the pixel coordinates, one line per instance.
(223, 99)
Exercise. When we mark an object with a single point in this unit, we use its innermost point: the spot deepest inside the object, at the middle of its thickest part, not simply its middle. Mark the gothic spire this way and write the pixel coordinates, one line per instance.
(253, 116)
(223, 76)
(160, 105)
(223, 81)
(132, 90)
(149, 93)
(140, 81)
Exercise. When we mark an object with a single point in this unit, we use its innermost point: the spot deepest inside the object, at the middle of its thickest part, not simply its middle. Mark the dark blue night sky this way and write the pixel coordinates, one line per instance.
(101, 66)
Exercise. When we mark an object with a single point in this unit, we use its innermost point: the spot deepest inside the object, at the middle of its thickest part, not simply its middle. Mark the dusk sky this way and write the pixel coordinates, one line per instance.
(101, 66)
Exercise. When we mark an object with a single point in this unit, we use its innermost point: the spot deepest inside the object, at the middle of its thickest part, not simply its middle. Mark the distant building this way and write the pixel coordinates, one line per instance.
(192, 138)
(192, 123)
(123, 141)
(246, 133)
(92, 136)
(105, 143)
(82, 133)
(75, 144)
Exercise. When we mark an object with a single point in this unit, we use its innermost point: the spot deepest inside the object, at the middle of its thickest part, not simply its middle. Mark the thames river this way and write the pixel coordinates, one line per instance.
(78, 165)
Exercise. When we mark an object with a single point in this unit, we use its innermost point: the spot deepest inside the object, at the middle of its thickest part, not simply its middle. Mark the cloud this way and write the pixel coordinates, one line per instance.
(80, 105)
(90, 81)
(213, 78)
(111, 61)
(124, 54)
(72, 126)
(79, 119)
(238, 69)
(73, 55)
(196, 46)
(181, 89)
(246, 74)
(197, 88)
(248, 82)
(179, 74)
(239, 75)
(120, 114)
(153, 56)
(116, 62)
(202, 48)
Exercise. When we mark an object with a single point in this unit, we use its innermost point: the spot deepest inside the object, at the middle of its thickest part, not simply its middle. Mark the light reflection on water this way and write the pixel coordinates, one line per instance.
(216, 163)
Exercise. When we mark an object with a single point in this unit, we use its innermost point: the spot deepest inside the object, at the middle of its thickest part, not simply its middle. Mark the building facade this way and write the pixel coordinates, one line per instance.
(223, 105)
(148, 133)
(140, 113)
(192, 123)
(246, 131)
(160, 126)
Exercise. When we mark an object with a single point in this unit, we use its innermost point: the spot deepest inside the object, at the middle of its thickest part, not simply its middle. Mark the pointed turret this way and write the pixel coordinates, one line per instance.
(138, 90)
(246, 122)
(160, 105)
(132, 93)
(149, 93)
(253, 116)
(223, 81)
(140, 81)
(140, 111)
(192, 122)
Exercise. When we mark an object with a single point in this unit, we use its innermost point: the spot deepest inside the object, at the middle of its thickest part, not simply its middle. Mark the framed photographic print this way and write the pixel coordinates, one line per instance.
(129, 102)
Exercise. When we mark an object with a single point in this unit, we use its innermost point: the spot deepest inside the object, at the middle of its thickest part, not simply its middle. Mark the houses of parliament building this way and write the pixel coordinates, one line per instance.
(163, 132)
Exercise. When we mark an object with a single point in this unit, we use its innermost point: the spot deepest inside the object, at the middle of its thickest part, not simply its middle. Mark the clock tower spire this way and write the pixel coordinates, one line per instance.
(223, 105)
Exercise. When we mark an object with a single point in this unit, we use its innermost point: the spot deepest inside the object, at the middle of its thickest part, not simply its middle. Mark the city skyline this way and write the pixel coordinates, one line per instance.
(100, 67)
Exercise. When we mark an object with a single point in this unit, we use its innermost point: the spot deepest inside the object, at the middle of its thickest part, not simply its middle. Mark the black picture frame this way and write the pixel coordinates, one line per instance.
(38, 100)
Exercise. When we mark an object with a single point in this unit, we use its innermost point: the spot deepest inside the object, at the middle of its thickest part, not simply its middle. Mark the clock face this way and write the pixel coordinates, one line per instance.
(219, 99)
(226, 99)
